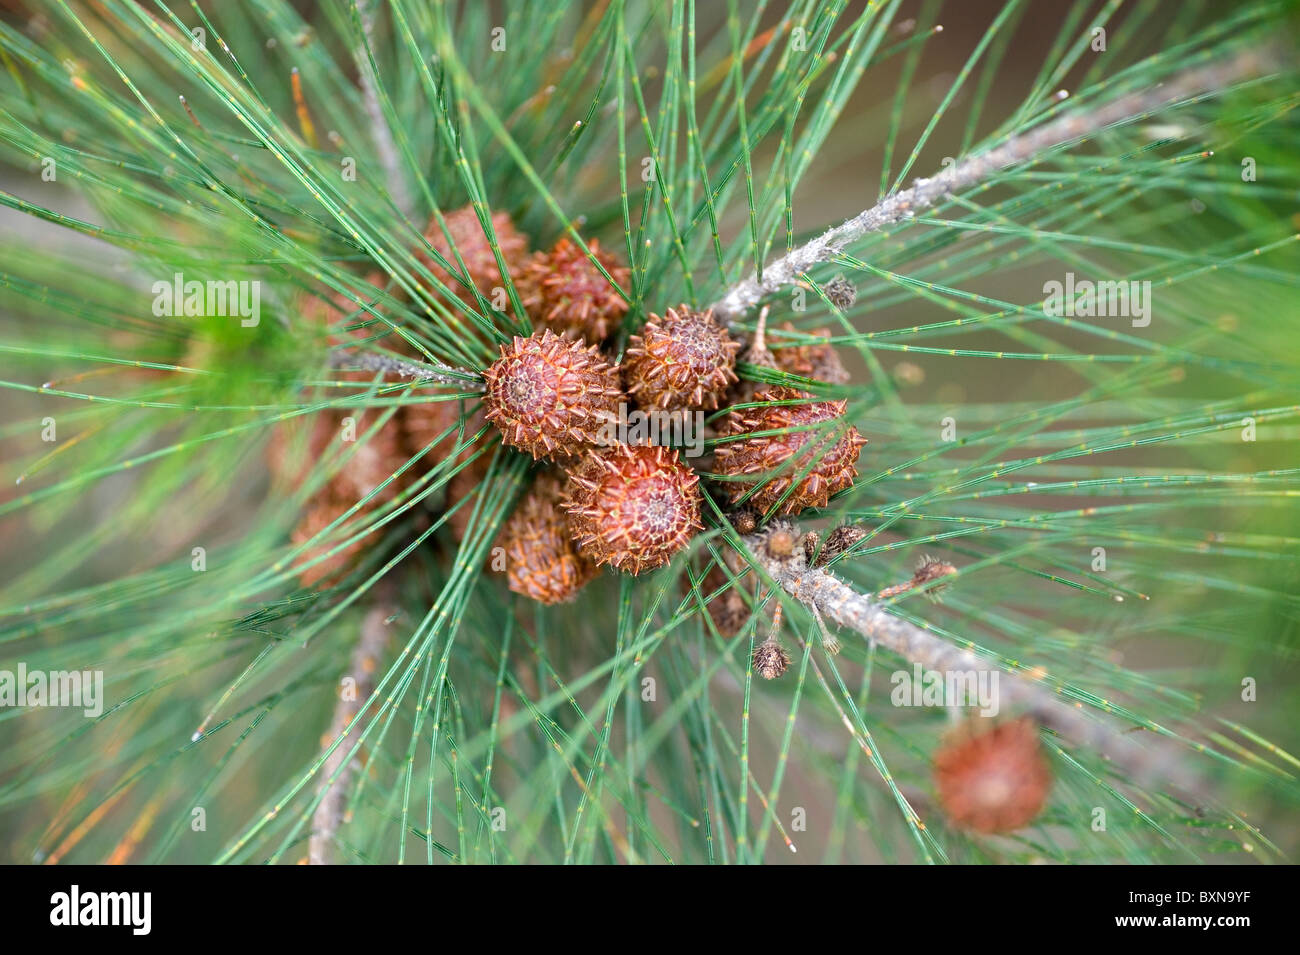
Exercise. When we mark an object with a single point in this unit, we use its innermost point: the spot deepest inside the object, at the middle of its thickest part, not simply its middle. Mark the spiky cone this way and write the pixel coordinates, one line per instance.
(816, 462)
(467, 237)
(992, 779)
(633, 507)
(817, 361)
(564, 291)
(361, 474)
(542, 560)
(552, 397)
(683, 361)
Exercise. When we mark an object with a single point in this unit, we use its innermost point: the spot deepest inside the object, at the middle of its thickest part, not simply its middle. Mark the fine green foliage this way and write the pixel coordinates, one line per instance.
(1119, 497)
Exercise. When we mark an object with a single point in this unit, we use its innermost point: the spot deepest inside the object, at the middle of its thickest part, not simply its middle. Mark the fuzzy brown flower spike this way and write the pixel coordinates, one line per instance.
(563, 291)
(633, 507)
(542, 561)
(467, 237)
(842, 539)
(992, 779)
(775, 462)
(929, 570)
(551, 396)
(681, 361)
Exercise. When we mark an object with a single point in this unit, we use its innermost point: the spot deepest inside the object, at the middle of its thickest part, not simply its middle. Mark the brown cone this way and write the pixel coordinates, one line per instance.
(729, 609)
(470, 241)
(425, 423)
(563, 291)
(542, 561)
(992, 778)
(775, 462)
(369, 466)
(682, 361)
(551, 396)
(633, 507)
(817, 361)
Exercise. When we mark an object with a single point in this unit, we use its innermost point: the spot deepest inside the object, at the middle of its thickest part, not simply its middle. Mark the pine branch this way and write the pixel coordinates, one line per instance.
(340, 767)
(924, 193)
(825, 594)
(379, 129)
(349, 360)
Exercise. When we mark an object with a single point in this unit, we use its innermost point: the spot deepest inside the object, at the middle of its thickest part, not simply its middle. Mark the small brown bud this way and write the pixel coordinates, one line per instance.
(927, 572)
(744, 522)
(780, 543)
(770, 660)
(811, 543)
(841, 292)
(839, 541)
(930, 570)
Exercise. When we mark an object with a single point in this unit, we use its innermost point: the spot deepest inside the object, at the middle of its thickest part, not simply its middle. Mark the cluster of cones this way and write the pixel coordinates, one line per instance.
(558, 395)
(560, 398)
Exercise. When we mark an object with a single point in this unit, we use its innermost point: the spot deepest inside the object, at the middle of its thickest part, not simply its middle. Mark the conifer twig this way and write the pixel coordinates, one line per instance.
(829, 597)
(379, 129)
(1022, 148)
(364, 664)
(388, 364)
